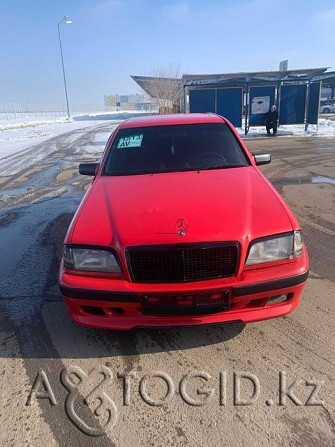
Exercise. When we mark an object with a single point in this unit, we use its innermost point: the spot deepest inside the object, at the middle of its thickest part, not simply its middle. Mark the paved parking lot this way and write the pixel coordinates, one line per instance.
(37, 203)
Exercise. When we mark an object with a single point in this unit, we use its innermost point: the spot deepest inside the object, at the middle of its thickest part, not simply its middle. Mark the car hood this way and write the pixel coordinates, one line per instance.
(236, 204)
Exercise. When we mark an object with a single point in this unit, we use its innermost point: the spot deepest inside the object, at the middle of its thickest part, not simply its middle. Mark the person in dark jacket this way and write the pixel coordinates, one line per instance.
(271, 119)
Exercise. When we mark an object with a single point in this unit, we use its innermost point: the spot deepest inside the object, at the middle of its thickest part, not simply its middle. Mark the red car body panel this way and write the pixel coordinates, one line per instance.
(236, 204)
(148, 206)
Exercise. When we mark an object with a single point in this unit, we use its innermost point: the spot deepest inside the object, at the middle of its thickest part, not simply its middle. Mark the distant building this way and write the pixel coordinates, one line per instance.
(111, 100)
(137, 99)
(283, 65)
(130, 102)
(123, 98)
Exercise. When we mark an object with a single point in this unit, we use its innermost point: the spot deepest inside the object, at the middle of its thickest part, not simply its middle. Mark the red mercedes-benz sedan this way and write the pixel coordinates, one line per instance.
(179, 227)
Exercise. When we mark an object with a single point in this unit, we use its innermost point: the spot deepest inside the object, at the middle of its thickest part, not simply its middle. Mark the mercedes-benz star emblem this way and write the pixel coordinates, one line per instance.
(181, 226)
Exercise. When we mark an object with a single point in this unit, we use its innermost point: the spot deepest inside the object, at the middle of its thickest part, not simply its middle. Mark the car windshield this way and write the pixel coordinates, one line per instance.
(174, 148)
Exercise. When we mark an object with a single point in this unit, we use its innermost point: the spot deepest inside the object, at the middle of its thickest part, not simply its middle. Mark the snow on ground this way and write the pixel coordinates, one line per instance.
(13, 141)
(18, 123)
(21, 123)
(17, 135)
(326, 128)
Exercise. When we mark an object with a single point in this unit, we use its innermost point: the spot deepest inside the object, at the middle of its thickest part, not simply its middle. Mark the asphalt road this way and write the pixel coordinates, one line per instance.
(39, 191)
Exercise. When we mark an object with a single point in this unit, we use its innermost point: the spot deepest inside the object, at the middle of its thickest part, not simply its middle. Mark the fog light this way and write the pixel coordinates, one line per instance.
(277, 299)
(93, 310)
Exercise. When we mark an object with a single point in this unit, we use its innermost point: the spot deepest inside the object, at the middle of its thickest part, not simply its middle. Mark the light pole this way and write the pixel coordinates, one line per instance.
(65, 21)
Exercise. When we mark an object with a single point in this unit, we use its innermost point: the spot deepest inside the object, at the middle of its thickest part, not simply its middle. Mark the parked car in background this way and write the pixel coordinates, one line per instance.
(180, 227)
(327, 106)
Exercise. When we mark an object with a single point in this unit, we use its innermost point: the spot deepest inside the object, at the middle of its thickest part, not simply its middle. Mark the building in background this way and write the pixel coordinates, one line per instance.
(283, 65)
(130, 102)
(111, 100)
(169, 93)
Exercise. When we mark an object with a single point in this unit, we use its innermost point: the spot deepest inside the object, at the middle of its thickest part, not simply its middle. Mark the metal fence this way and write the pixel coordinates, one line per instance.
(19, 110)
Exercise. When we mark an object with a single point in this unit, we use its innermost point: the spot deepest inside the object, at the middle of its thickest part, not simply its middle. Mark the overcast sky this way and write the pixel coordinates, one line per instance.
(111, 39)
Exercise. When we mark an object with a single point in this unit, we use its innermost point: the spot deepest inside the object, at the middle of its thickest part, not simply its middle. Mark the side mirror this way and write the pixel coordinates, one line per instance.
(88, 168)
(262, 158)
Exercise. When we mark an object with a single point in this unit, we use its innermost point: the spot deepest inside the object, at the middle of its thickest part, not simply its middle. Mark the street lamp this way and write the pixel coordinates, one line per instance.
(65, 21)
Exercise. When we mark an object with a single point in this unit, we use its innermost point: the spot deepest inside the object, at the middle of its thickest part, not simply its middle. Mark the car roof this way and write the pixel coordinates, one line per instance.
(168, 120)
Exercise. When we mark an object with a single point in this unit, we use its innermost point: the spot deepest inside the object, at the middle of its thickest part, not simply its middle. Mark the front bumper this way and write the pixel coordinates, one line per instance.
(116, 304)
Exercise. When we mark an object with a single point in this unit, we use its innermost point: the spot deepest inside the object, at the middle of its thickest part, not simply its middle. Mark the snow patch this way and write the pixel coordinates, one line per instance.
(326, 128)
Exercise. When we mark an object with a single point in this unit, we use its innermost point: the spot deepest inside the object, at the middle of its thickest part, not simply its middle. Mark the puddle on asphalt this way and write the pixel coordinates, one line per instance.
(330, 181)
(7, 218)
(27, 267)
(38, 187)
(303, 181)
(94, 143)
(15, 191)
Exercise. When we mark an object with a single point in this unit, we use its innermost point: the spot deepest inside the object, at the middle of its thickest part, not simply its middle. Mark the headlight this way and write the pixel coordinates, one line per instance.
(285, 246)
(90, 260)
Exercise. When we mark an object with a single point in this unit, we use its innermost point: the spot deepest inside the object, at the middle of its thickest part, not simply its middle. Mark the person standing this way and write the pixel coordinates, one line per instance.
(271, 120)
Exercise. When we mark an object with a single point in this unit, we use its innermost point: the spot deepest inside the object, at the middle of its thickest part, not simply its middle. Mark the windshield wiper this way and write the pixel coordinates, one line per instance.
(179, 170)
(220, 167)
(167, 171)
(121, 173)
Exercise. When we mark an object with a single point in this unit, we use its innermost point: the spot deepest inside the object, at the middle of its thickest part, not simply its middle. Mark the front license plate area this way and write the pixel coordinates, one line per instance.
(199, 303)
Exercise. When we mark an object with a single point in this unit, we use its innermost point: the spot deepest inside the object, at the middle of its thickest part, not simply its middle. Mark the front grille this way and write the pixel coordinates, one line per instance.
(182, 263)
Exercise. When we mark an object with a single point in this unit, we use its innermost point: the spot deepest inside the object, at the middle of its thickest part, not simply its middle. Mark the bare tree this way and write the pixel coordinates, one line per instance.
(165, 87)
